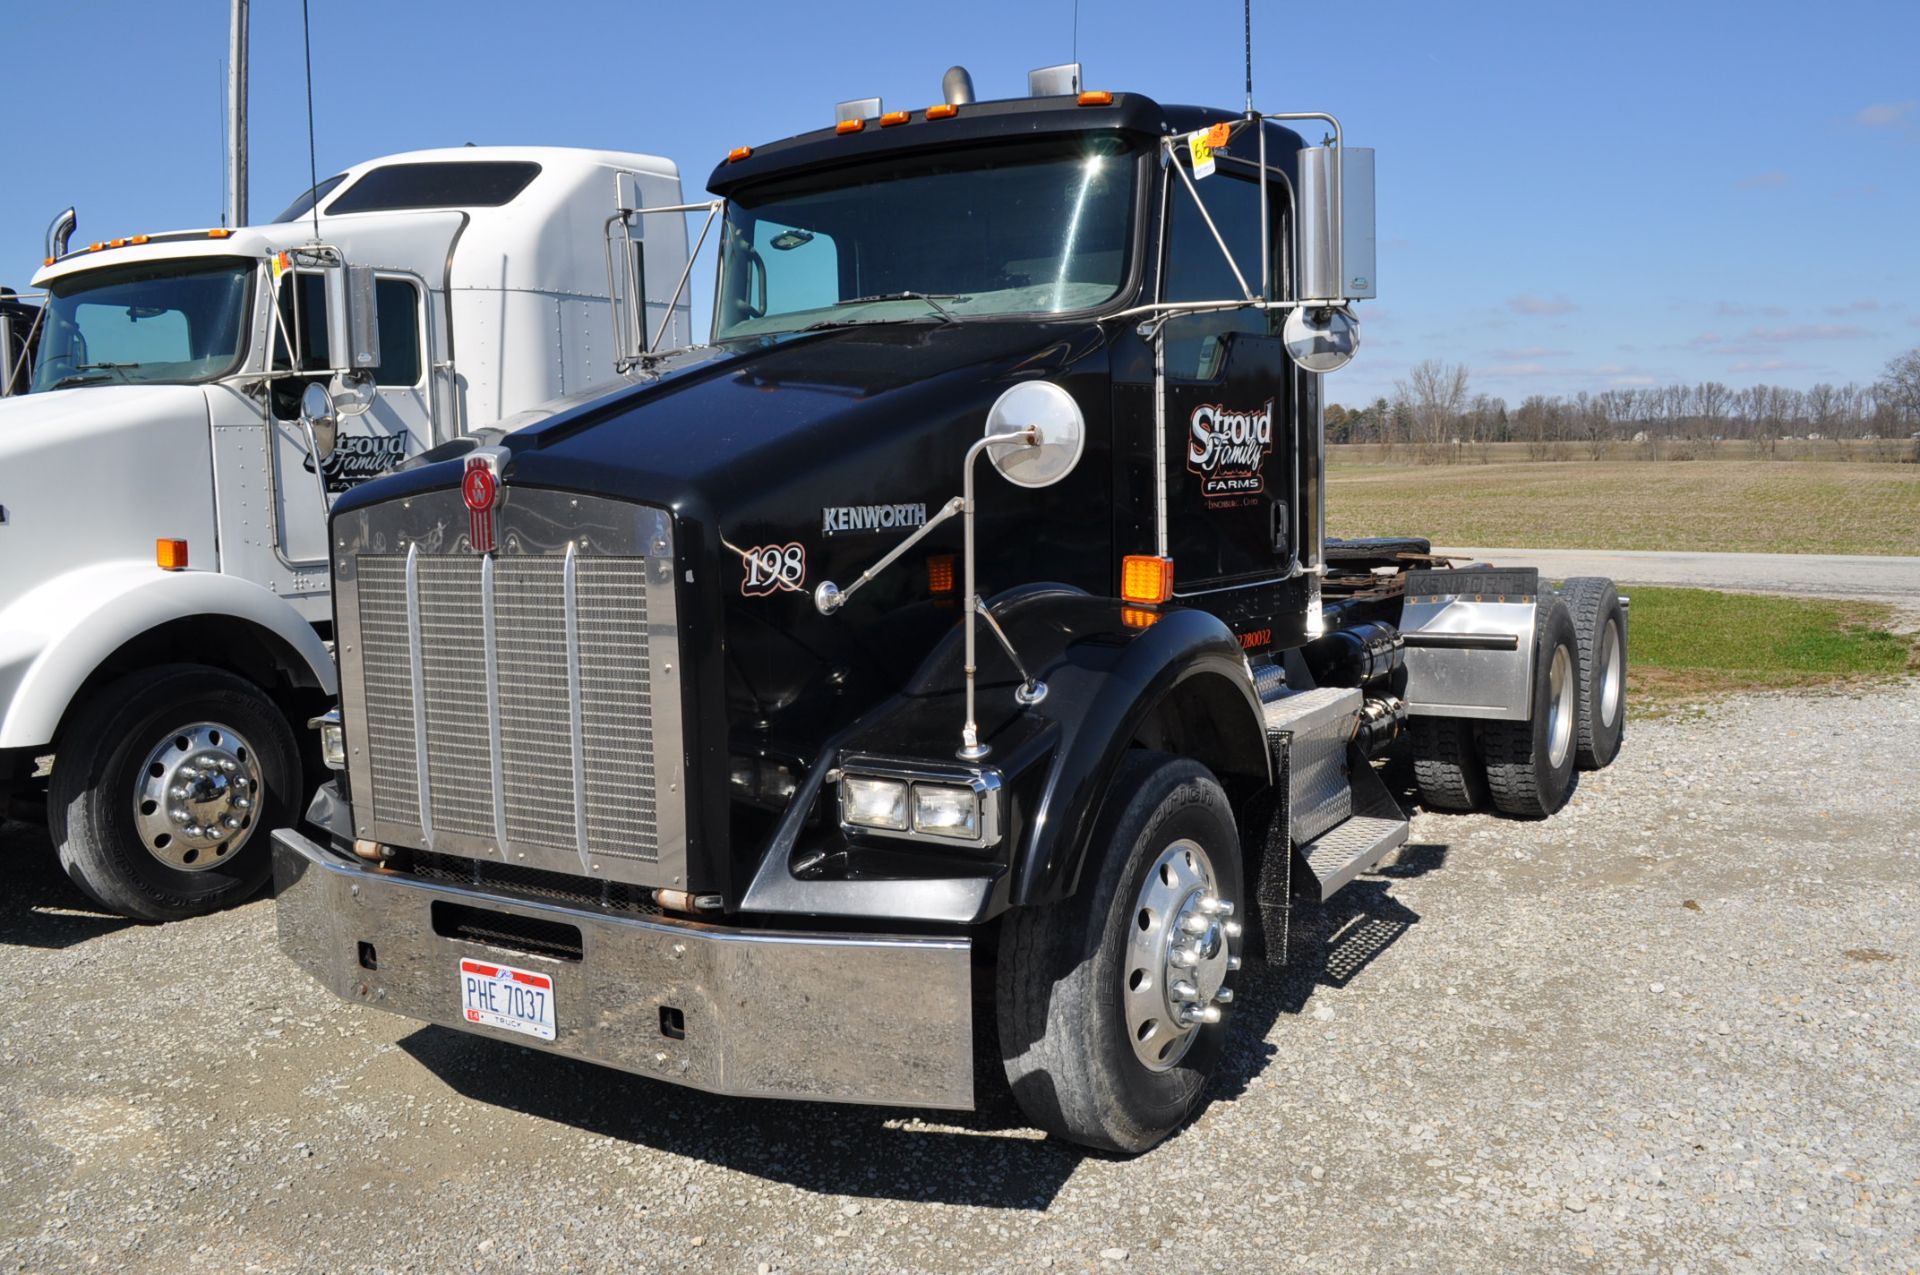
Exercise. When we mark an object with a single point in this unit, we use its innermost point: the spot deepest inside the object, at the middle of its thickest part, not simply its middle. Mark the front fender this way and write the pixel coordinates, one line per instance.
(1106, 679)
(54, 636)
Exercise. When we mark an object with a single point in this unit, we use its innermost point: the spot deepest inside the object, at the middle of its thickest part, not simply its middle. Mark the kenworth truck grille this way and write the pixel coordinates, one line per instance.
(521, 706)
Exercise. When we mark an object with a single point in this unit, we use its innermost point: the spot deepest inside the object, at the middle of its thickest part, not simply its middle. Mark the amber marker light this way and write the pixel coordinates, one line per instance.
(170, 555)
(221, 233)
(49, 261)
(1098, 97)
(849, 126)
(95, 247)
(944, 111)
(940, 573)
(738, 153)
(1144, 578)
(895, 117)
(138, 239)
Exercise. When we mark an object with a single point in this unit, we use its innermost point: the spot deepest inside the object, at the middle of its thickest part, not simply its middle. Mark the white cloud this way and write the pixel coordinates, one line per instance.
(1527, 303)
(1886, 114)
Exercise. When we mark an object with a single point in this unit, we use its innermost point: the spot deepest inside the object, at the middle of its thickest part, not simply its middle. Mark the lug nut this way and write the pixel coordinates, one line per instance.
(1185, 991)
(1232, 928)
(227, 764)
(191, 831)
(1195, 924)
(1201, 1014)
(1233, 963)
(177, 815)
(1224, 996)
(242, 803)
(1184, 957)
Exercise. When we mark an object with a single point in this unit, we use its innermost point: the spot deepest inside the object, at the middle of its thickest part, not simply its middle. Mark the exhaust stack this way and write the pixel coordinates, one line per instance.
(60, 231)
(956, 86)
(1054, 81)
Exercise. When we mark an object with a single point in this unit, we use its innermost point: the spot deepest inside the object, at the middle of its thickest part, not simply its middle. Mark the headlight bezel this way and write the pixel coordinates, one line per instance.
(909, 779)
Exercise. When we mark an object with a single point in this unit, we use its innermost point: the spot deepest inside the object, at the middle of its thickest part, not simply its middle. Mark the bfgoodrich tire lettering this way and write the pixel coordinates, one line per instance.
(1061, 969)
(98, 773)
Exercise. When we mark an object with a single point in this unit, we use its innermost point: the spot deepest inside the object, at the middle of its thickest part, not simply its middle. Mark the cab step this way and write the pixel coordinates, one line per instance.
(1341, 853)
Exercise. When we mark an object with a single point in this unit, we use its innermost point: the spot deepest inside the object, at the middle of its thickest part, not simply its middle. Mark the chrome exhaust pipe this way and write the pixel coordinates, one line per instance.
(60, 231)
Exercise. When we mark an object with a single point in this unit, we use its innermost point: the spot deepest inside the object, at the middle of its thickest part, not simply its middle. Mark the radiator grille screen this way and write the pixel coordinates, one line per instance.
(538, 784)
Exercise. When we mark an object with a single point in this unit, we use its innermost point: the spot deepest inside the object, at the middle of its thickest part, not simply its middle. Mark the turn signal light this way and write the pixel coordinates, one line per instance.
(849, 126)
(944, 111)
(895, 117)
(1096, 98)
(170, 555)
(940, 573)
(1146, 579)
(738, 153)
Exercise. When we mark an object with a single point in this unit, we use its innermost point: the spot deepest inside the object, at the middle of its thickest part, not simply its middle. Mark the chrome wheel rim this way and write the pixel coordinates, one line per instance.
(1611, 674)
(196, 797)
(1560, 706)
(1180, 949)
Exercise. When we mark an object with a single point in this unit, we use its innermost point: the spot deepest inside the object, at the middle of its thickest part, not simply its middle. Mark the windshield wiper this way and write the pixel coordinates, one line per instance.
(78, 379)
(115, 367)
(931, 298)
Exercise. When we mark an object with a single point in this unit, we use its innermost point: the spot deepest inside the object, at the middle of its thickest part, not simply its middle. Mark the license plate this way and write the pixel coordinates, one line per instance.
(510, 999)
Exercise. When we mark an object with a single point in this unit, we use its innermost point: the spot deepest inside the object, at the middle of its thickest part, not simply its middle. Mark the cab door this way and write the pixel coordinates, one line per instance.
(397, 423)
(1232, 517)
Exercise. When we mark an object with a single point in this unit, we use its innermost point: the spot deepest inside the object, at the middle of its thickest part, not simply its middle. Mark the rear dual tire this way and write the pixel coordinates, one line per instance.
(1601, 624)
(1530, 764)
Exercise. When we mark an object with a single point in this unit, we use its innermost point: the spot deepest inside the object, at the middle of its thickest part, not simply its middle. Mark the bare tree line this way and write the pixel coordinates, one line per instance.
(1435, 416)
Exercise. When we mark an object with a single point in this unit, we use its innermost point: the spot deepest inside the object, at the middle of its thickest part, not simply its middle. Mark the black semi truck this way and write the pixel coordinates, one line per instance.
(957, 628)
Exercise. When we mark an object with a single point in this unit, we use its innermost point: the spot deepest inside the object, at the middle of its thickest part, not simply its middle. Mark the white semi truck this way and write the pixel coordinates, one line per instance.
(198, 399)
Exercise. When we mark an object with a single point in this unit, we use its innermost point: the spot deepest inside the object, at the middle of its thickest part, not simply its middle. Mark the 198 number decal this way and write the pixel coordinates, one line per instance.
(774, 568)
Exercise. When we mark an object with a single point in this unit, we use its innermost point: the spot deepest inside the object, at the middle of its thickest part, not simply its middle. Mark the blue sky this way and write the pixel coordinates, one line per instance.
(1570, 197)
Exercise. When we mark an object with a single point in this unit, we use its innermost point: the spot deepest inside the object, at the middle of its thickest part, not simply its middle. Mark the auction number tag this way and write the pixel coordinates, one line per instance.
(1200, 146)
(510, 999)
(773, 569)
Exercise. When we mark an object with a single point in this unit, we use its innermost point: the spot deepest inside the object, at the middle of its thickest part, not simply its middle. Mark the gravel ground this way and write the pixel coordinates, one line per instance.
(1670, 1029)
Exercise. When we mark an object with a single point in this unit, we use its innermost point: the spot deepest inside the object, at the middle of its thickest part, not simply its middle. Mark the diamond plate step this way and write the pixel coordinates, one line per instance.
(1349, 848)
(1319, 723)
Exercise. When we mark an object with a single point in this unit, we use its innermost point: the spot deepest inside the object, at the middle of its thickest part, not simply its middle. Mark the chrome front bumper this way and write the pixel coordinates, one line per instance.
(771, 1014)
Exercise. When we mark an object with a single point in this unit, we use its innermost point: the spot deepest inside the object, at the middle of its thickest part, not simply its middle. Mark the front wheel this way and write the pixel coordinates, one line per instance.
(166, 784)
(1113, 1003)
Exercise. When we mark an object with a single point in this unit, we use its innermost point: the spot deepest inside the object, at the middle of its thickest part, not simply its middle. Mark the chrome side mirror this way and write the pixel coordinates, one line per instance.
(318, 418)
(1044, 431)
(353, 393)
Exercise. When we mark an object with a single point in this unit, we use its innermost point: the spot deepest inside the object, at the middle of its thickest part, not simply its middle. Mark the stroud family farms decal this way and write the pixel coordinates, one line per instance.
(1229, 450)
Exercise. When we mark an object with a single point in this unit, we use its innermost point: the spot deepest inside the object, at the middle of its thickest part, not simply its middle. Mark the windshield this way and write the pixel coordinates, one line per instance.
(156, 321)
(1035, 228)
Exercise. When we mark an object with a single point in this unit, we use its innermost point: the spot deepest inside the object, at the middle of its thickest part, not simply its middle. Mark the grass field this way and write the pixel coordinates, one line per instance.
(1728, 506)
(1689, 644)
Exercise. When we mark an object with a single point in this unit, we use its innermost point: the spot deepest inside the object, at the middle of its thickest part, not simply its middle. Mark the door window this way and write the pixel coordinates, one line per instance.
(1196, 270)
(397, 303)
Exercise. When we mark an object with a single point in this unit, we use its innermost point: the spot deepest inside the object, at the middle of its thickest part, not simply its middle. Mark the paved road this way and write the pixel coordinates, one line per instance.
(1886, 579)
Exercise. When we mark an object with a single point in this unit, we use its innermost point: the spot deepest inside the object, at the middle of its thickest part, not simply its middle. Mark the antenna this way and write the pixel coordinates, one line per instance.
(224, 187)
(1248, 8)
(313, 167)
(1076, 29)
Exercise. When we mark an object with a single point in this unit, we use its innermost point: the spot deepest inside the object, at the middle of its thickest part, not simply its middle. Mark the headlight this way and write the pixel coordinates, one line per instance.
(333, 739)
(945, 810)
(869, 802)
(892, 798)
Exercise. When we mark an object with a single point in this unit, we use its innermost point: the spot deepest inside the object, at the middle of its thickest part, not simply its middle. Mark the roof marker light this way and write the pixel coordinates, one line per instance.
(1098, 97)
(849, 126)
(49, 261)
(738, 153)
(95, 247)
(220, 233)
(138, 239)
(943, 111)
(895, 117)
(116, 243)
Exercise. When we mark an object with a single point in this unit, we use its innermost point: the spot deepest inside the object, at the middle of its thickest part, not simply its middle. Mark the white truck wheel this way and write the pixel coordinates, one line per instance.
(166, 785)
(1112, 1004)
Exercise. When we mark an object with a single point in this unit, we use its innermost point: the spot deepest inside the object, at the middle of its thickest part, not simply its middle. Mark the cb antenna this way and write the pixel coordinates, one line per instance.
(1248, 10)
(313, 167)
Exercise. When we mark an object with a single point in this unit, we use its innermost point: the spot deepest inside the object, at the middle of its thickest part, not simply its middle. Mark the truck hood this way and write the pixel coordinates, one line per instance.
(731, 422)
(97, 473)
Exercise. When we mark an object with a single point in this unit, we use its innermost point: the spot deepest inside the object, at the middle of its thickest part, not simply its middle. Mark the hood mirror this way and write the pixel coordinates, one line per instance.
(318, 418)
(1058, 430)
(1321, 339)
